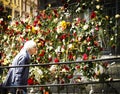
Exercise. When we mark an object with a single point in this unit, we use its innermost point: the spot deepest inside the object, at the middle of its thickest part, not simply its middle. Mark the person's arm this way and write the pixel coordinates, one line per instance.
(19, 70)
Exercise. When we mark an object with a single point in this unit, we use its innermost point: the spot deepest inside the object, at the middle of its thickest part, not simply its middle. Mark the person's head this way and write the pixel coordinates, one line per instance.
(31, 47)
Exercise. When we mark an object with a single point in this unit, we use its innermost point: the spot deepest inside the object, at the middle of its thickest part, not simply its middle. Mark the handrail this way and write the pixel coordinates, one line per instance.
(68, 62)
(65, 84)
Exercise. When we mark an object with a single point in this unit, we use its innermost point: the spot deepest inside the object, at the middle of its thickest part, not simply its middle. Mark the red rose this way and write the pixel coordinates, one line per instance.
(17, 23)
(38, 58)
(38, 17)
(42, 53)
(70, 57)
(56, 60)
(96, 43)
(69, 76)
(62, 81)
(85, 56)
(41, 88)
(93, 57)
(78, 67)
(30, 81)
(105, 64)
(113, 46)
(79, 77)
(63, 36)
(50, 59)
(85, 68)
(66, 67)
(93, 15)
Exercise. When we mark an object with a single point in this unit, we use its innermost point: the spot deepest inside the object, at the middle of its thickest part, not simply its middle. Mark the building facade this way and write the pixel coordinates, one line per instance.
(20, 7)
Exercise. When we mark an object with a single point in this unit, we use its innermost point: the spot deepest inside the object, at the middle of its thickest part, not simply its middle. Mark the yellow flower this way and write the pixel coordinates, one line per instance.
(33, 29)
(9, 16)
(63, 24)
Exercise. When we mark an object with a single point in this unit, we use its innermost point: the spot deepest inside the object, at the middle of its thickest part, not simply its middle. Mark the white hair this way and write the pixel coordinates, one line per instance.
(29, 44)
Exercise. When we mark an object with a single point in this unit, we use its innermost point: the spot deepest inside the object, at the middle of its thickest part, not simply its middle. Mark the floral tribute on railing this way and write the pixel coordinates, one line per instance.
(62, 34)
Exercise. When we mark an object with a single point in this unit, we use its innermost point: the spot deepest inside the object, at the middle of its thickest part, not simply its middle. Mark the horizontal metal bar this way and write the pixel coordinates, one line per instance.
(68, 62)
(65, 84)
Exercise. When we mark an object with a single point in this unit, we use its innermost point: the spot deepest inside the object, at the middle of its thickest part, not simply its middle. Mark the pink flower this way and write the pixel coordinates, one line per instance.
(96, 28)
(88, 39)
(88, 48)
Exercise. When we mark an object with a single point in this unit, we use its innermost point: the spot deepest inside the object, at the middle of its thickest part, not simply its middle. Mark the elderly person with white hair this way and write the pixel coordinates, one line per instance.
(18, 76)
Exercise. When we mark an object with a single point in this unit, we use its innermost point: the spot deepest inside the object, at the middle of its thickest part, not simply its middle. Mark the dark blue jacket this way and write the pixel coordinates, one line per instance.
(19, 75)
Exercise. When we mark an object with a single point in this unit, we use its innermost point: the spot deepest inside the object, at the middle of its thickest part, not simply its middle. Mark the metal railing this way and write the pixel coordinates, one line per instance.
(96, 87)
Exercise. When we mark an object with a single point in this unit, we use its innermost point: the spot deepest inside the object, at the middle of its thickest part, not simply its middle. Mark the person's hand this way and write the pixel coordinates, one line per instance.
(19, 91)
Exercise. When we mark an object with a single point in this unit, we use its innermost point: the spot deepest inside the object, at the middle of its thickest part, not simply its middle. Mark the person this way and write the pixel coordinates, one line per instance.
(18, 76)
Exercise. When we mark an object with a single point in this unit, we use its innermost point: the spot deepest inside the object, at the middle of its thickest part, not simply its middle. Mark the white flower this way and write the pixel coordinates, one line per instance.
(13, 45)
(38, 73)
(112, 38)
(97, 0)
(59, 29)
(15, 29)
(5, 37)
(1, 19)
(62, 49)
(26, 20)
(92, 31)
(85, 27)
(117, 16)
(55, 20)
(64, 70)
(37, 28)
(12, 23)
(53, 68)
(98, 6)
(67, 15)
(99, 23)
(50, 47)
(78, 9)
(63, 41)
(58, 49)
(70, 46)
